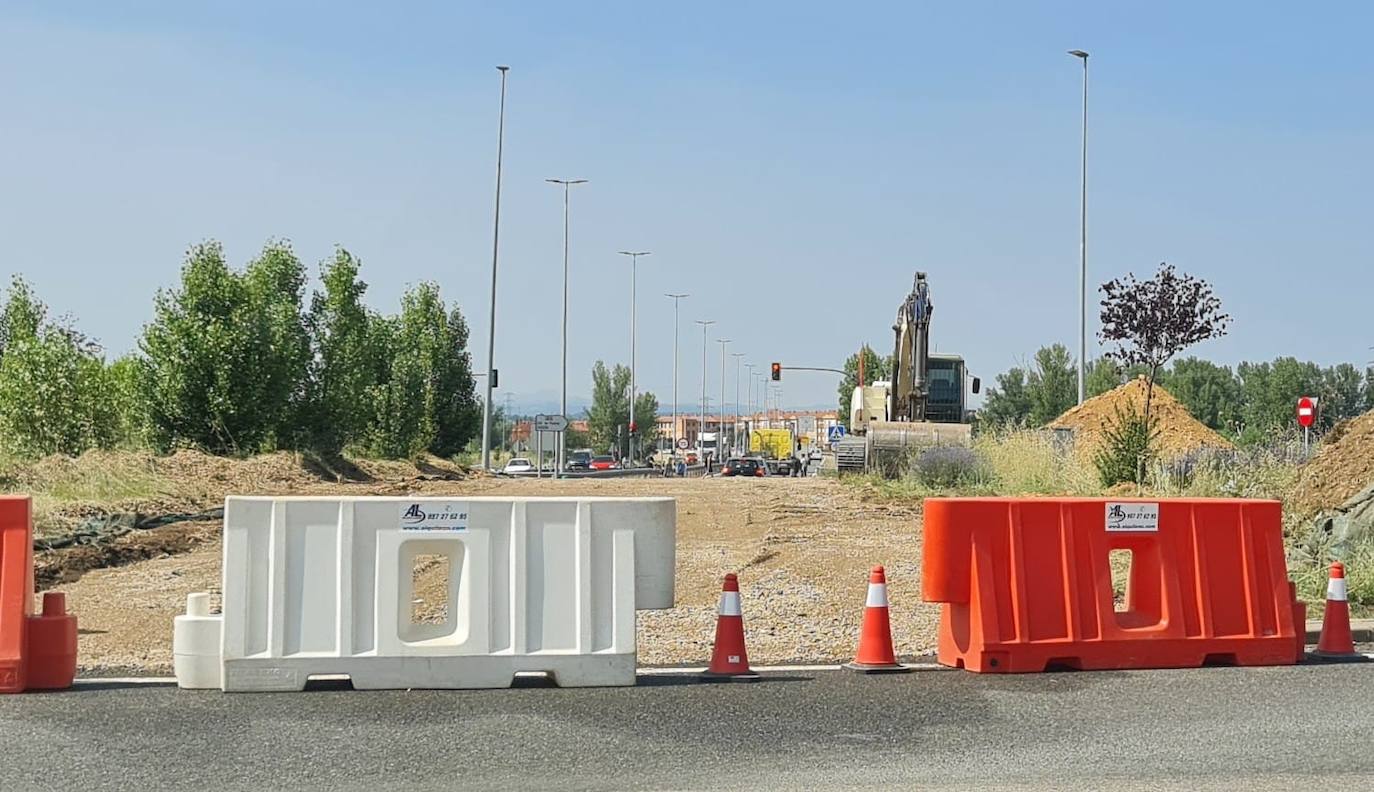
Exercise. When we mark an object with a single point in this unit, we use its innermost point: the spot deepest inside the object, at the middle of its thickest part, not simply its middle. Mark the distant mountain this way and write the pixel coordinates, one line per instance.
(545, 404)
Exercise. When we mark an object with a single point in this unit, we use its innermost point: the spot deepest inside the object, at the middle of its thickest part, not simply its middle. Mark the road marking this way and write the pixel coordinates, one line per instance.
(680, 671)
(920, 665)
(126, 681)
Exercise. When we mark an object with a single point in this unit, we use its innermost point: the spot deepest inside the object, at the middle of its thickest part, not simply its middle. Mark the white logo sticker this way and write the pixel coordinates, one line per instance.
(417, 516)
(1132, 516)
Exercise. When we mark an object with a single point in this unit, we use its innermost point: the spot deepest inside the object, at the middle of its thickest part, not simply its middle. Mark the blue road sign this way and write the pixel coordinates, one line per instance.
(836, 433)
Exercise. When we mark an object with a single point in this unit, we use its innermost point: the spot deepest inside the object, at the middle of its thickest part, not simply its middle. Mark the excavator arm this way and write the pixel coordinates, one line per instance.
(911, 356)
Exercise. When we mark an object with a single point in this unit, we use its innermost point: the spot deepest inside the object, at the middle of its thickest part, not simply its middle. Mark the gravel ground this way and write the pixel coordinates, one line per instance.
(802, 549)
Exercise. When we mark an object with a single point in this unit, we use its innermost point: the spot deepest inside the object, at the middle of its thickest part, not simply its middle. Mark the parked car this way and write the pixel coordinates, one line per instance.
(603, 463)
(518, 465)
(693, 458)
(745, 466)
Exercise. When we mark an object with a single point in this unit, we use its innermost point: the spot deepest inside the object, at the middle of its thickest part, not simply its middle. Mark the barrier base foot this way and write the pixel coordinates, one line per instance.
(1322, 657)
(870, 668)
(750, 676)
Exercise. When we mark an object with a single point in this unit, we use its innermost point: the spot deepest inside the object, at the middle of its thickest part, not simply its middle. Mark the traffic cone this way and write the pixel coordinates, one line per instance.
(875, 655)
(1336, 642)
(729, 660)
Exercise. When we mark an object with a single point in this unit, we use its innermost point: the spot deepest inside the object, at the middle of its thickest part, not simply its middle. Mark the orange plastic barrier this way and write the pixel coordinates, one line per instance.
(1027, 583)
(36, 651)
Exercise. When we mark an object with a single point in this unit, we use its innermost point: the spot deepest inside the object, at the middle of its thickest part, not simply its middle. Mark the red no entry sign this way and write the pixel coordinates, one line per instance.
(1307, 411)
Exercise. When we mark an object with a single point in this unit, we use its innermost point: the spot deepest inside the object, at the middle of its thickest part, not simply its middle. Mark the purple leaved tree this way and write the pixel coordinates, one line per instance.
(1150, 321)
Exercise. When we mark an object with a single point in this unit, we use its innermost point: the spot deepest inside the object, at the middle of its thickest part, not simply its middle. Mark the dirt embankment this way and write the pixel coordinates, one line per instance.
(1342, 468)
(1177, 431)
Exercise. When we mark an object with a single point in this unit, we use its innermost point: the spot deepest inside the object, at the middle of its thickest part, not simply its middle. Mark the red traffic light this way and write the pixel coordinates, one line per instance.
(777, 371)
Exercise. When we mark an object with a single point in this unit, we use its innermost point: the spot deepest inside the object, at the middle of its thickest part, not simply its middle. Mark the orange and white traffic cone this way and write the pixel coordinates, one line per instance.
(729, 660)
(875, 655)
(1336, 642)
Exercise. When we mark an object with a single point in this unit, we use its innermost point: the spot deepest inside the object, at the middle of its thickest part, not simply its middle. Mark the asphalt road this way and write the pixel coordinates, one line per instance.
(1218, 728)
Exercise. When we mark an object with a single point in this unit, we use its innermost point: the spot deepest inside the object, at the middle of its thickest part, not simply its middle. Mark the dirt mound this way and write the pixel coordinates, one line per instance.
(1343, 466)
(1178, 432)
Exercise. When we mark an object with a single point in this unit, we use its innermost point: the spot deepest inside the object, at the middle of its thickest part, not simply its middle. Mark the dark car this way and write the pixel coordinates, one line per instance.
(603, 463)
(580, 460)
(745, 466)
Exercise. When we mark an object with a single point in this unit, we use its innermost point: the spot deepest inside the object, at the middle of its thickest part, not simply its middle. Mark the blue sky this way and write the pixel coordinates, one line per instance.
(789, 165)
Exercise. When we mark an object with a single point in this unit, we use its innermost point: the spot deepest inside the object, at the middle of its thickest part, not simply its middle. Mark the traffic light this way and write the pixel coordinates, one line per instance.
(777, 372)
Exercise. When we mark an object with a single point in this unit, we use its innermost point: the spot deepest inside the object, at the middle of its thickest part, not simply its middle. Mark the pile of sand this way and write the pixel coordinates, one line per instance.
(1343, 467)
(1177, 431)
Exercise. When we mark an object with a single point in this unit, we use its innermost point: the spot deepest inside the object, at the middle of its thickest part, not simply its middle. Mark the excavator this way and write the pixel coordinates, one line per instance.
(922, 404)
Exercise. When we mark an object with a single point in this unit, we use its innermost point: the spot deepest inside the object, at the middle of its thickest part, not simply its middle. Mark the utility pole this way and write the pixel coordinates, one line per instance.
(705, 327)
(559, 440)
(495, 246)
(631, 427)
(676, 298)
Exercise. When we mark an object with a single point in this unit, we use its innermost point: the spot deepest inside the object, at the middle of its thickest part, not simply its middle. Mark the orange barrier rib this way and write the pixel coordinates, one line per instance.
(36, 651)
(1027, 583)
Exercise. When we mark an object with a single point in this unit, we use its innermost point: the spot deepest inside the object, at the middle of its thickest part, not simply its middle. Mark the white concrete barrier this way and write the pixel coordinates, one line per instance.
(357, 586)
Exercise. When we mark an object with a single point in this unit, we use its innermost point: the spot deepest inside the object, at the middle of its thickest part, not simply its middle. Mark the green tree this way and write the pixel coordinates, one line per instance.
(55, 394)
(459, 409)
(226, 353)
(125, 378)
(274, 283)
(1102, 375)
(344, 369)
(1270, 393)
(1367, 402)
(1341, 395)
(1007, 403)
(424, 400)
(606, 422)
(610, 401)
(875, 368)
(1210, 392)
(1052, 384)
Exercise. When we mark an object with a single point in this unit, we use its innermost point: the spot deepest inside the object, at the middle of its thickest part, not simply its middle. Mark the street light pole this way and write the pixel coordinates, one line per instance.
(1083, 240)
(734, 425)
(720, 424)
(495, 246)
(705, 327)
(630, 437)
(560, 439)
(676, 298)
(752, 417)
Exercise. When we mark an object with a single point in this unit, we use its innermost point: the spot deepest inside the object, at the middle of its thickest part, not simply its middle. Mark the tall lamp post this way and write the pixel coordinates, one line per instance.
(705, 328)
(495, 246)
(1083, 239)
(720, 425)
(630, 439)
(734, 425)
(752, 417)
(560, 440)
(676, 298)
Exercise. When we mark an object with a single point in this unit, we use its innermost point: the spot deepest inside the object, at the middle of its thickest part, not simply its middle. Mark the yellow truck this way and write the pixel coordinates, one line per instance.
(774, 445)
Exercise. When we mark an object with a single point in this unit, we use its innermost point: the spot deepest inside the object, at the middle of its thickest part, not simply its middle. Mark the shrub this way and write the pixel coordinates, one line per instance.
(948, 466)
(1033, 462)
(1126, 448)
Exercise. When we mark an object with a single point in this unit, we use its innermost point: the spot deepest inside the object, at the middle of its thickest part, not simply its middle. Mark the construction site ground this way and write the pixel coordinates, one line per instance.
(802, 547)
